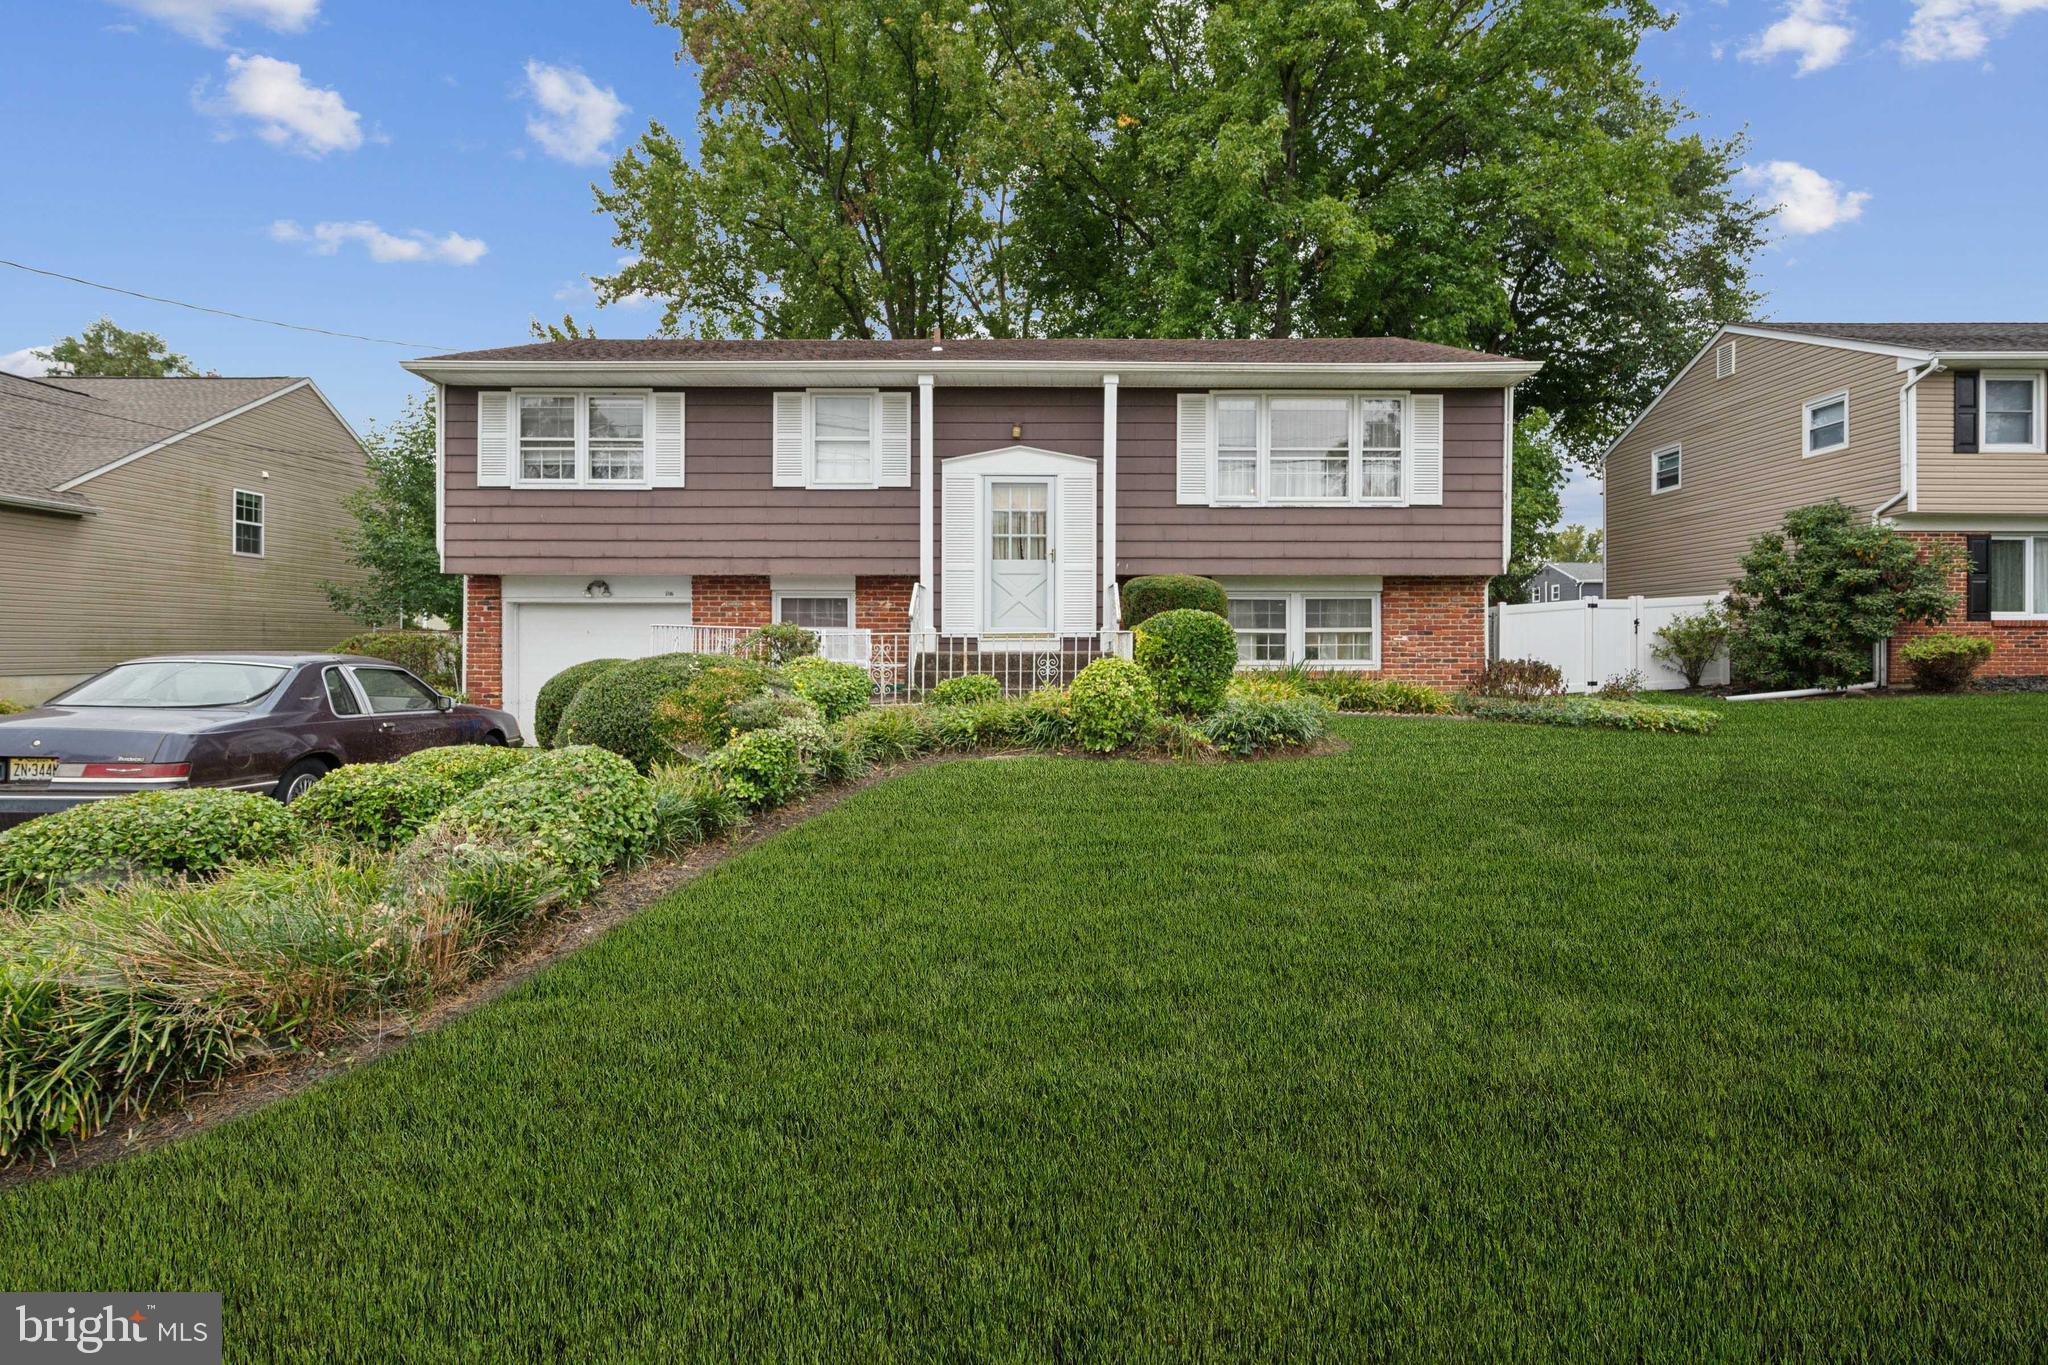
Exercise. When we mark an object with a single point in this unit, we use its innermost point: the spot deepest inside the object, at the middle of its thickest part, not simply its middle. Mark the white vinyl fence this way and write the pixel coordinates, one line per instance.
(906, 665)
(1595, 640)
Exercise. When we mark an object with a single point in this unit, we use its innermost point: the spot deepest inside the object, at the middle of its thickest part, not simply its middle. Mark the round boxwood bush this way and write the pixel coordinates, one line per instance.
(384, 804)
(1146, 597)
(556, 694)
(1943, 663)
(1112, 701)
(966, 690)
(1190, 656)
(837, 689)
(615, 709)
(176, 832)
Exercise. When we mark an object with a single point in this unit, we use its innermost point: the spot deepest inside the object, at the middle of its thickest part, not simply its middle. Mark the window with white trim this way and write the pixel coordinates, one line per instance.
(248, 523)
(1827, 423)
(577, 438)
(815, 611)
(1327, 628)
(843, 427)
(1664, 469)
(2011, 405)
(2019, 576)
(1281, 448)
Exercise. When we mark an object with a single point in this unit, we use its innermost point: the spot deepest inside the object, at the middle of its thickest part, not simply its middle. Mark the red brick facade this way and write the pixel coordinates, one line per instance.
(730, 600)
(882, 604)
(1433, 630)
(483, 627)
(2019, 648)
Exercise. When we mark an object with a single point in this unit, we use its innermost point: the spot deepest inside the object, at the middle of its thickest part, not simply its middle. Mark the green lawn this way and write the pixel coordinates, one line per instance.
(1474, 1040)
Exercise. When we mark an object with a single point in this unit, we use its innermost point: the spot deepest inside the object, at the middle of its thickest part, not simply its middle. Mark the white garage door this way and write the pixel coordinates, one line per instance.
(543, 638)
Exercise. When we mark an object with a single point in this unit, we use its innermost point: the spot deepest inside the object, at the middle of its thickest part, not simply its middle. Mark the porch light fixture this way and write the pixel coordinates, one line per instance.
(597, 587)
(1016, 431)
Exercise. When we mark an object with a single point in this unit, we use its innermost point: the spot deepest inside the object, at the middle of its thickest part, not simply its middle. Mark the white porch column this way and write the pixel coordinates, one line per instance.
(927, 487)
(1109, 386)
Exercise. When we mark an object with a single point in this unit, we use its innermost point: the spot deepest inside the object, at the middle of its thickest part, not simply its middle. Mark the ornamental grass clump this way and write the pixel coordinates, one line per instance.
(1190, 656)
(889, 734)
(1244, 726)
(691, 806)
(1112, 700)
(164, 833)
(1388, 696)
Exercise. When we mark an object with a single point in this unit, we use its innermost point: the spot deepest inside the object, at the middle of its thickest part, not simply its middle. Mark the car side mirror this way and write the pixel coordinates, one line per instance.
(444, 702)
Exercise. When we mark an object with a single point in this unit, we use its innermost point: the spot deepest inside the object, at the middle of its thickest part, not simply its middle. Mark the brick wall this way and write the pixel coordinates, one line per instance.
(483, 634)
(731, 600)
(1433, 630)
(882, 603)
(2019, 648)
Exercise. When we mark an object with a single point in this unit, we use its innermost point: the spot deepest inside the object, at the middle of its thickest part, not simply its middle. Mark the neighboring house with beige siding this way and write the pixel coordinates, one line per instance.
(1936, 428)
(145, 516)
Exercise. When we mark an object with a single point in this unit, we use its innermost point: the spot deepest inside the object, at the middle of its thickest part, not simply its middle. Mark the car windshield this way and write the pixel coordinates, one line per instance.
(176, 682)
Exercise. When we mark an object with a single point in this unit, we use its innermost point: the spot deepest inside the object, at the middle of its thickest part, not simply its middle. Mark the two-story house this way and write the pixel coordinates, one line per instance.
(1350, 493)
(1935, 427)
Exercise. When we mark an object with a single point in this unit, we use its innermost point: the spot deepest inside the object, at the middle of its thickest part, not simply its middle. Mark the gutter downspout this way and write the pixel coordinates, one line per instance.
(926, 491)
(1909, 481)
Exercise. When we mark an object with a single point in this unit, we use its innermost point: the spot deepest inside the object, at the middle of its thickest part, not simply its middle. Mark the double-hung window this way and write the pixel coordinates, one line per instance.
(1261, 626)
(1827, 424)
(248, 523)
(2012, 411)
(843, 439)
(2019, 576)
(1309, 448)
(575, 439)
(1664, 469)
(1321, 629)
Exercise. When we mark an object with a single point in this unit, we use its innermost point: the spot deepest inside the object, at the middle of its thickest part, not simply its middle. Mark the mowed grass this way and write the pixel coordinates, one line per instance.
(1476, 1040)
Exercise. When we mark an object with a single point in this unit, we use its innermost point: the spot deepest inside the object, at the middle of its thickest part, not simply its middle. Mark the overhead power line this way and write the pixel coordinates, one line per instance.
(223, 312)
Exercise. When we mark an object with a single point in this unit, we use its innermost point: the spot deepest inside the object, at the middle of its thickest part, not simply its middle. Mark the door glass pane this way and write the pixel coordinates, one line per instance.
(841, 426)
(390, 691)
(2008, 575)
(1237, 448)
(339, 698)
(1018, 522)
(1311, 448)
(1261, 625)
(617, 451)
(814, 613)
(1337, 629)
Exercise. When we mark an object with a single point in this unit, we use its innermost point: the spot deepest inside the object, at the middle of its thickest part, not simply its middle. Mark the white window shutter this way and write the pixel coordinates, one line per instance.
(667, 456)
(789, 439)
(1426, 450)
(1077, 553)
(892, 453)
(960, 555)
(493, 439)
(1191, 450)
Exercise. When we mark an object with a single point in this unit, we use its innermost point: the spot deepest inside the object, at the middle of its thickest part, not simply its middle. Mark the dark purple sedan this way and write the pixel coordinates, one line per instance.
(250, 722)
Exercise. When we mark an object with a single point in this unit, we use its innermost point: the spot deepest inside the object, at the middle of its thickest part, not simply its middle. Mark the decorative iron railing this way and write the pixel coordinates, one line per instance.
(906, 665)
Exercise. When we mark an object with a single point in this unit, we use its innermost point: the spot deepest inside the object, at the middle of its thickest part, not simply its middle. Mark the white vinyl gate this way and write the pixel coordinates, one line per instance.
(1593, 640)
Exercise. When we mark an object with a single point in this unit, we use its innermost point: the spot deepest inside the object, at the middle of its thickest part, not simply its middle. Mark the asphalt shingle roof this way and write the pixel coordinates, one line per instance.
(1929, 336)
(1320, 350)
(1580, 569)
(53, 430)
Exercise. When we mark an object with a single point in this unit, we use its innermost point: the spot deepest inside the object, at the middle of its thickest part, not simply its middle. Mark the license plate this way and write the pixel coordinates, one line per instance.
(31, 769)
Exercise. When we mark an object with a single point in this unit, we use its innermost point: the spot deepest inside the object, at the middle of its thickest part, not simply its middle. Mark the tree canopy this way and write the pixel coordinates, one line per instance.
(392, 542)
(106, 349)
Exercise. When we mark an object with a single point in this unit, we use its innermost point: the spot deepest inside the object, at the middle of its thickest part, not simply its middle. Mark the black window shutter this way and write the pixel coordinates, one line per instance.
(1966, 412)
(1978, 598)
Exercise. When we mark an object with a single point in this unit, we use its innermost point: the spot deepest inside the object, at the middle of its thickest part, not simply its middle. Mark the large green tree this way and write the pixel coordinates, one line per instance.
(106, 349)
(392, 542)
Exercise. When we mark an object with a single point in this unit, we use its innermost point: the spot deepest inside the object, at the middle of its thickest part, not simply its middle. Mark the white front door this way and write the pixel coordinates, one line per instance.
(1020, 556)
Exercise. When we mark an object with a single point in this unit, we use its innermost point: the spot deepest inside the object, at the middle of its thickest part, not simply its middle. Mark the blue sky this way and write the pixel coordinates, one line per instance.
(422, 171)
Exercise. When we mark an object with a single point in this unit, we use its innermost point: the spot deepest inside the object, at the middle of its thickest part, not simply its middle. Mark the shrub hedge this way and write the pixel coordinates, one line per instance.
(965, 690)
(556, 694)
(170, 833)
(1190, 655)
(837, 689)
(435, 655)
(1111, 700)
(1244, 726)
(697, 713)
(1943, 663)
(11, 708)
(1148, 596)
(384, 804)
(1363, 692)
(1583, 712)
(578, 812)
(650, 710)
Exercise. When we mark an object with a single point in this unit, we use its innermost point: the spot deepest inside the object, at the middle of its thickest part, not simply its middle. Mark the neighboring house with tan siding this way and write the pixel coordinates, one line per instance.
(1935, 428)
(146, 516)
(1350, 493)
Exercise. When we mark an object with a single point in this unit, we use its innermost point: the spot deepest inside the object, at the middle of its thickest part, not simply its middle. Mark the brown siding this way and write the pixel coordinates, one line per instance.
(1157, 535)
(1984, 483)
(728, 518)
(1742, 467)
(155, 571)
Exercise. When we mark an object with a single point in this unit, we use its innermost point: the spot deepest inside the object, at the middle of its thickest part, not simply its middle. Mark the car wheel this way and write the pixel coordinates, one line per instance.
(495, 739)
(299, 779)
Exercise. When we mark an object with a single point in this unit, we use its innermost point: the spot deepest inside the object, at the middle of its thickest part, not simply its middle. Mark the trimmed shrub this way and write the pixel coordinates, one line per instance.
(770, 711)
(1363, 692)
(556, 694)
(1690, 643)
(1111, 700)
(1943, 663)
(1190, 656)
(1591, 712)
(889, 734)
(1242, 727)
(965, 690)
(837, 689)
(1519, 680)
(578, 812)
(167, 833)
(651, 710)
(384, 804)
(1146, 597)
(1264, 685)
(777, 644)
(434, 655)
(11, 708)
(763, 768)
(698, 713)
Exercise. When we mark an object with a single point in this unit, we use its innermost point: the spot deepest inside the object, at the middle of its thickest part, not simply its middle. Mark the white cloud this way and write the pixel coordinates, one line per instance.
(287, 111)
(24, 362)
(1811, 29)
(208, 21)
(576, 117)
(1804, 200)
(415, 245)
(1959, 30)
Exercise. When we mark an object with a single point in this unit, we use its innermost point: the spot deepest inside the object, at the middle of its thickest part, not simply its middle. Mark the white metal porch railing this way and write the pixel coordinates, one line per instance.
(906, 665)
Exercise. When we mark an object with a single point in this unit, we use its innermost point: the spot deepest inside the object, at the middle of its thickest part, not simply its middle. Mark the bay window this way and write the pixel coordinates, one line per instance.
(575, 439)
(1309, 448)
(2019, 576)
